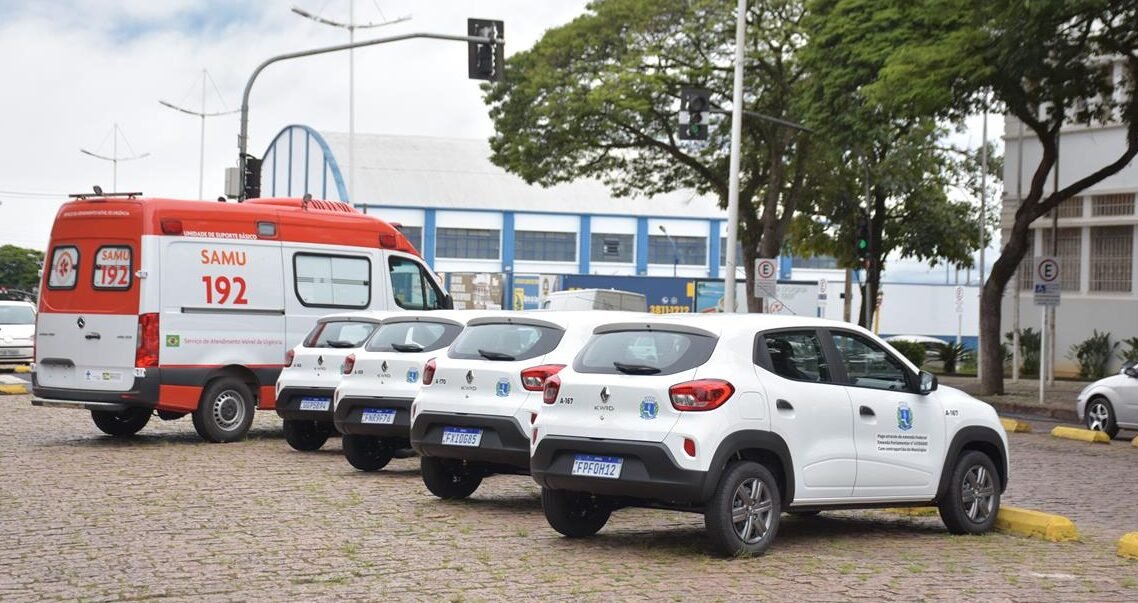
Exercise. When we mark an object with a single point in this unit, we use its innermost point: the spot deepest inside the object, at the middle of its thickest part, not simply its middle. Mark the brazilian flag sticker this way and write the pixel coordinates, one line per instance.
(173, 341)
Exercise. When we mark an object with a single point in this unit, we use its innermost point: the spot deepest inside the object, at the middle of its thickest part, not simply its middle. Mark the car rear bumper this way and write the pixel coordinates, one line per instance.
(289, 399)
(349, 416)
(503, 442)
(648, 470)
(143, 393)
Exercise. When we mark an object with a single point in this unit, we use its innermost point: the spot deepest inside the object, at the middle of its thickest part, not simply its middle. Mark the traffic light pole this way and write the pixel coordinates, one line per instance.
(242, 138)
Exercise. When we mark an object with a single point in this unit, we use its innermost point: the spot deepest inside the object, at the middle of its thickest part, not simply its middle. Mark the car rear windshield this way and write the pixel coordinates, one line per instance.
(17, 315)
(413, 336)
(505, 341)
(644, 352)
(339, 334)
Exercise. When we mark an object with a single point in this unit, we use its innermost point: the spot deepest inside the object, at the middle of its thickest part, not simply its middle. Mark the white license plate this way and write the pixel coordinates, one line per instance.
(462, 436)
(381, 416)
(315, 403)
(597, 466)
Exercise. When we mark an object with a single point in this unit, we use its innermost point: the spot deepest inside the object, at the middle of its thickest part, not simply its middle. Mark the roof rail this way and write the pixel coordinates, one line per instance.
(100, 193)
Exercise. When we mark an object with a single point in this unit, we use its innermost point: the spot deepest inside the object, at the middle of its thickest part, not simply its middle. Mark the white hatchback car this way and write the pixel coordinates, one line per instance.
(741, 417)
(1111, 403)
(372, 404)
(472, 417)
(17, 332)
(312, 371)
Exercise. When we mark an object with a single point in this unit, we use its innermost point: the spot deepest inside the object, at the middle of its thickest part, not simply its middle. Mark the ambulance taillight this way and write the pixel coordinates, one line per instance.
(146, 354)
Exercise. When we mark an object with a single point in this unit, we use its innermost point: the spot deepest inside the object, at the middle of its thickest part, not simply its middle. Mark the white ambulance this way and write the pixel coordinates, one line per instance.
(188, 307)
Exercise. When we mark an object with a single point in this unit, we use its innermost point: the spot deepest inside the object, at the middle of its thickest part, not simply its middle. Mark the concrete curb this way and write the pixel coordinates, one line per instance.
(913, 511)
(13, 390)
(1128, 545)
(22, 369)
(1024, 522)
(1134, 442)
(1078, 433)
(1051, 412)
(1014, 426)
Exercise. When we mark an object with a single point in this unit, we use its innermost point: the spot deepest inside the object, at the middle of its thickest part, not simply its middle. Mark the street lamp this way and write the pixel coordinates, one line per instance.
(114, 158)
(202, 114)
(351, 26)
(675, 250)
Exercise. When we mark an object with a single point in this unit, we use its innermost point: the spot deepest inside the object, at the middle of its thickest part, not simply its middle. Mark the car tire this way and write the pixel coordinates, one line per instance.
(225, 411)
(574, 514)
(973, 499)
(305, 435)
(449, 478)
(1100, 416)
(366, 453)
(743, 515)
(123, 423)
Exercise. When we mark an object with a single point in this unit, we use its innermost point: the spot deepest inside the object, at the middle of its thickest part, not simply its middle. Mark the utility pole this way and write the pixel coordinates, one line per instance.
(114, 156)
(983, 228)
(202, 114)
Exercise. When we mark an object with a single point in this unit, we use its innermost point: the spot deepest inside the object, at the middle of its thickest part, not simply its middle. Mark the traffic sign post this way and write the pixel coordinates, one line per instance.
(1046, 291)
(766, 277)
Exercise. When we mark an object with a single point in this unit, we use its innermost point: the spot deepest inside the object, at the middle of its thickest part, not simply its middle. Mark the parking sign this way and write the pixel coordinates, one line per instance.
(1047, 288)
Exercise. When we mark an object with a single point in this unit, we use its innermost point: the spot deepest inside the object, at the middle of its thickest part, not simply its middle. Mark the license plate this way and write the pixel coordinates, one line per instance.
(382, 416)
(315, 403)
(462, 436)
(597, 466)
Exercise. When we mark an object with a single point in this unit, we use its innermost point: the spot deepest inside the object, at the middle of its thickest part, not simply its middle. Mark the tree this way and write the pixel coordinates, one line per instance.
(1040, 61)
(598, 98)
(19, 271)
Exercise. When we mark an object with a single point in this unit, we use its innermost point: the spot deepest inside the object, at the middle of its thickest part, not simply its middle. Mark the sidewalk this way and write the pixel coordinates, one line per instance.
(1023, 397)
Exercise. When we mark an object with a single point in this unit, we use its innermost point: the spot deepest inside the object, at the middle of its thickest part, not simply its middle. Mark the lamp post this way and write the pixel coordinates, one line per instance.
(114, 157)
(202, 114)
(675, 250)
(351, 26)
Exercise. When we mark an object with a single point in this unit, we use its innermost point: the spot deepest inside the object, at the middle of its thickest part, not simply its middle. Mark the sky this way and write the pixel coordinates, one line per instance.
(89, 74)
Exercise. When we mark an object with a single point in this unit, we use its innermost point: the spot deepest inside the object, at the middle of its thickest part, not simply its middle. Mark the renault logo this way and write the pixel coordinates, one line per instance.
(469, 377)
(320, 360)
(82, 323)
(383, 367)
(605, 394)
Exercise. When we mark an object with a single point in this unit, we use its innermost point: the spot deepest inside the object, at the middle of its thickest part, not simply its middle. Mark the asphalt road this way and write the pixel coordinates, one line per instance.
(165, 516)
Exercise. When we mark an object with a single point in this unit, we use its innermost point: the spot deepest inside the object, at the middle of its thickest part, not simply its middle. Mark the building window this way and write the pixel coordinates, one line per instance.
(1070, 257)
(467, 243)
(607, 247)
(1071, 208)
(1112, 255)
(822, 262)
(689, 251)
(723, 252)
(414, 234)
(1121, 204)
(546, 246)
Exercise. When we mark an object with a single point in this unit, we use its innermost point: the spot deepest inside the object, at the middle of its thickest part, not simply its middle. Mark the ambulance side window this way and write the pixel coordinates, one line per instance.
(332, 281)
(414, 289)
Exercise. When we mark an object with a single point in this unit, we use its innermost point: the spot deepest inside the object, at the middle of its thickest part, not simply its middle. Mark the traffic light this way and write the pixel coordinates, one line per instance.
(251, 179)
(485, 60)
(861, 238)
(695, 104)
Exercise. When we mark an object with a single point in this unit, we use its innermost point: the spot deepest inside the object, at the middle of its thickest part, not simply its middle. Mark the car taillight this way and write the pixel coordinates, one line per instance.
(552, 388)
(146, 352)
(429, 372)
(702, 394)
(289, 357)
(533, 378)
(349, 364)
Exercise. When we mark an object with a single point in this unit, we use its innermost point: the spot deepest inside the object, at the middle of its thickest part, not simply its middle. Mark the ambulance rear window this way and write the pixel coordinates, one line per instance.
(339, 334)
(112, 267)
(64, 267)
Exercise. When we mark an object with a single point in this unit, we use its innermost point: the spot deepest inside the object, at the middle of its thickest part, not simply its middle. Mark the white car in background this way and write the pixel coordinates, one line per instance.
(312, 371)
(1111, 403)
(372, 404)
(17, 332)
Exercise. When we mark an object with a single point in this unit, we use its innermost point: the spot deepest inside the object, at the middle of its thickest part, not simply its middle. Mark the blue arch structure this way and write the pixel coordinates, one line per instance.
(287, 167)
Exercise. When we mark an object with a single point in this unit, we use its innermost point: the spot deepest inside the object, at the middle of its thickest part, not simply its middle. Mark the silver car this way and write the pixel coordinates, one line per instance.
(1111, 403)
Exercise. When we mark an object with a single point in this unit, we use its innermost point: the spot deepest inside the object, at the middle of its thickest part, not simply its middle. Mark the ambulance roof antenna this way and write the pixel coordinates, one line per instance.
(98, 190)
(305, 200)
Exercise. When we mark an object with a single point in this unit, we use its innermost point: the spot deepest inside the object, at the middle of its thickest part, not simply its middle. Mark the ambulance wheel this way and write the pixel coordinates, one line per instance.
(366, 453)
(449, 478)
(123, 423)
(225, 412)
(305, 435)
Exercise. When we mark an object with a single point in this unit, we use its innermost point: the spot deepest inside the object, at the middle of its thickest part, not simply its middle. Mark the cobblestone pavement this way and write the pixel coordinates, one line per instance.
(165, 516)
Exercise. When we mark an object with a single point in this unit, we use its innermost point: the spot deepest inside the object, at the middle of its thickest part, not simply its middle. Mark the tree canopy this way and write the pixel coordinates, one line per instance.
(19, 271)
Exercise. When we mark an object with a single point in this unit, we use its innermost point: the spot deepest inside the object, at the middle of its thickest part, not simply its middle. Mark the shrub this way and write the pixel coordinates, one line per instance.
(1093, 355)
(952, 353)
(1130, 354)
(912, 350)
(1030, 341)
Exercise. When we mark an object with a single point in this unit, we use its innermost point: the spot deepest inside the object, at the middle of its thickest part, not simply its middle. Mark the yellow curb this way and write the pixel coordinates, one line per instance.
(1128, 545)
(23, 368)
(1024, 522)
(1012, 425)
(912, 511)
(1078, 433)
(13, 389)
(1134, 442)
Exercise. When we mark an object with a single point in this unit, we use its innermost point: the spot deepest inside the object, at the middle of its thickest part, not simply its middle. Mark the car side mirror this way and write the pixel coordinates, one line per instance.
(927, 383)
(1131, 372)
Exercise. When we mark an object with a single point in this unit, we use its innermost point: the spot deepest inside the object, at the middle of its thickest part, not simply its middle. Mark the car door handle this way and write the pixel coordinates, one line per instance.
(783, 405)
(866, 411)
(93, 336)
